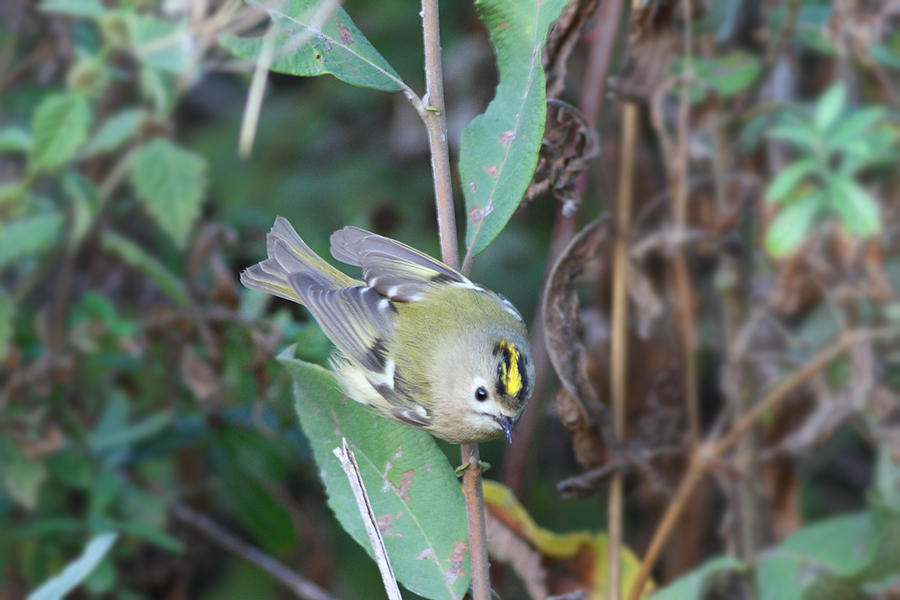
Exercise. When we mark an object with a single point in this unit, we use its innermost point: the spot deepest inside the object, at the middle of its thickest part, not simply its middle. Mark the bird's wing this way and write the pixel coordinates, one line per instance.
(394, 269)
(357, 319)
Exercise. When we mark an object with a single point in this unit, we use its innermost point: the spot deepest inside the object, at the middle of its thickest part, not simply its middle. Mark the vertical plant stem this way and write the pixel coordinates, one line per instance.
(685, 294)
(694, 474)
(436, 123)
(619, 349)
(481, 580)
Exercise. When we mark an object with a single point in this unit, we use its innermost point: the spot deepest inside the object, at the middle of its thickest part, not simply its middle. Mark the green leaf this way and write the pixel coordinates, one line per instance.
(858, 211)
(833, 560)
(887, 477)
(156, 536)
(499, 149)
(103, 578)
(29, 236)
(85, 204)
(829, 108)
(74, 8)
(60, 127)
(160, 88)
(884, 56)
(695, 584)
(72, 467)
(160, 44)
(845, 545)
(137, 257)
(76, 571)
(729, 74)
(7, 312)
(302, 48)
(256, 507)
(15, 139)
(171, 182)
(787, 181)
(114, 132)
(853, 128)
(22, 475)
(134, 433)
(785, 576)
(798, 134)
(792, 224)
(414, 493)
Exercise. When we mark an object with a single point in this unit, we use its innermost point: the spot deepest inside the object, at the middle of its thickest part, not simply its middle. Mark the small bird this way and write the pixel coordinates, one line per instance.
(416, 341)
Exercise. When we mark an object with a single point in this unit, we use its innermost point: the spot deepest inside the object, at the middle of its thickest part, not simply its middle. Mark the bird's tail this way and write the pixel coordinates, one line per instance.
(288, 254)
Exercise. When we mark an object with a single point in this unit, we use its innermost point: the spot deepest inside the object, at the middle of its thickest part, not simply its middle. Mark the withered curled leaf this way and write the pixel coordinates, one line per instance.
(579, 406)
(568, 145)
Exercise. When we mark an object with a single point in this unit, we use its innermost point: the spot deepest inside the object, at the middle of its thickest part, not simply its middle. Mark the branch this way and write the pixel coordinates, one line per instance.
(302, 587)
(619, 345)
(436, 123)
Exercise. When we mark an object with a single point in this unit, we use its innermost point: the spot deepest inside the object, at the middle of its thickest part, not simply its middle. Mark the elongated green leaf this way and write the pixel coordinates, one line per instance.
(499, 149)
(171, 182)
(15, 139)
(830, 107)
(57, 587)
(792, 224)
(85, 203)
(160, 44)
(832, 560)
(29, 236)
(796, 134)
(858, 210)
(22, 475)
(694, 585)
(853, 128)
(114, 132)
(414, 494)
(138, 258)
(884, 56)
(74, 8)
(783, 185)
(301, 47)
(7, 312)
(729, 74)
(257, 508)
(60, 127)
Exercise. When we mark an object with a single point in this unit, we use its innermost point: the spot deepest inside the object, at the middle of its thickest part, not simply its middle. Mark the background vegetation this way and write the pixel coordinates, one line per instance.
(139, 394)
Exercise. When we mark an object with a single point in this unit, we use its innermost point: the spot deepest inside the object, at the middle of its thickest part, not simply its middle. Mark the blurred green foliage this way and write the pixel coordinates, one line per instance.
(135, 374)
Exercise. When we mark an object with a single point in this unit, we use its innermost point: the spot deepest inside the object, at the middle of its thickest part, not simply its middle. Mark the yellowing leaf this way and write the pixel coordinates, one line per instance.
(582, 556)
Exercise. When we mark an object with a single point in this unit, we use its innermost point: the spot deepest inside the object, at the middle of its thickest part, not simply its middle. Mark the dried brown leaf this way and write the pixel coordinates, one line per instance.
(580, 408)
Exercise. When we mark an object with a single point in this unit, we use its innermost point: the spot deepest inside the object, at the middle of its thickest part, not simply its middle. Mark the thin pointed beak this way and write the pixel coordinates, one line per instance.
(506, 424)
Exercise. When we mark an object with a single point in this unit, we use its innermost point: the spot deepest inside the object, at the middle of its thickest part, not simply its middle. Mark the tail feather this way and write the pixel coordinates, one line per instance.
(265, 277)
(288, 255)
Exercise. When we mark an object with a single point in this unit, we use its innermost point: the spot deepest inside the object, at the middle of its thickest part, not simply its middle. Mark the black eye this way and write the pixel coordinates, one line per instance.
(481, 394)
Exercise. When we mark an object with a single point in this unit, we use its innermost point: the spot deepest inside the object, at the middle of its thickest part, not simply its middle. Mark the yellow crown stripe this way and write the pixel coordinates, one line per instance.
(510, 376)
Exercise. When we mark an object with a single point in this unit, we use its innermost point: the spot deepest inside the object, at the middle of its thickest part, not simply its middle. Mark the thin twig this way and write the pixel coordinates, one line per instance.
(436, 123)
(302, 587)
(685, 294)
(255, 96)
(694, 474)
(351, 469)
(619, 344)
(474, 494)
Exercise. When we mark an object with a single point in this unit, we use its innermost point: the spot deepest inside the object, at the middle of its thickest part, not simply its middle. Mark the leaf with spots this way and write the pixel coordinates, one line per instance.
(308, 43)
(499, 149)
(416, 499)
